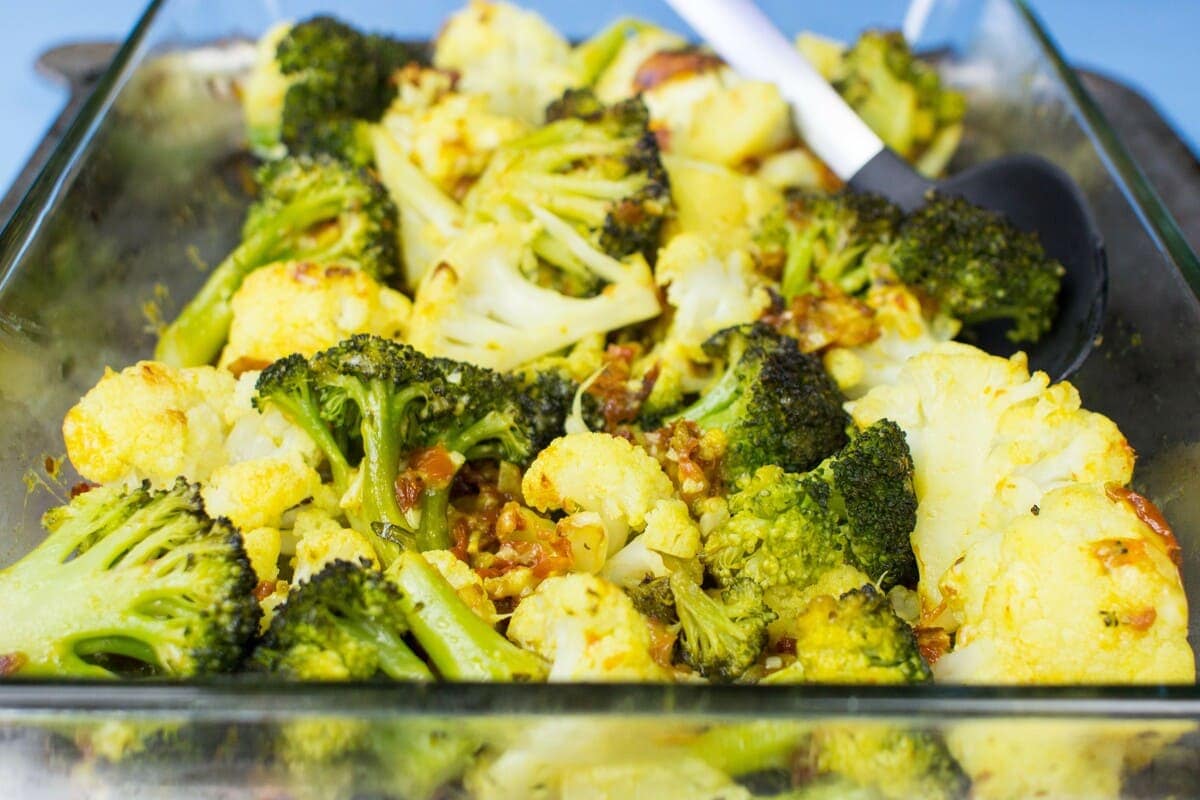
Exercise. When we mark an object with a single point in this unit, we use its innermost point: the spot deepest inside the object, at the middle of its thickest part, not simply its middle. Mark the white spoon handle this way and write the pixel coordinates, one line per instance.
(750, 43)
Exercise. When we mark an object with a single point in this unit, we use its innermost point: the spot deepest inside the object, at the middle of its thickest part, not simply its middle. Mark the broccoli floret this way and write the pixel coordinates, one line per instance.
(871, 492)
(780, 532)
(346, 623)
(129, 580)
(720, 638)
(654, 600)
(855, 638)
(978, 267)
(459, 644)
(592, 180)
(901, 98)
(339, 80)
(311, 209)
(775, 404)
(408, 759)
(897, 763)
(787, 529)
(835, 239)
(399, 407)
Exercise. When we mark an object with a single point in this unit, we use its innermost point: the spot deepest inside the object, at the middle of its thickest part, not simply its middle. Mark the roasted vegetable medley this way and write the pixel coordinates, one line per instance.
(552, 362)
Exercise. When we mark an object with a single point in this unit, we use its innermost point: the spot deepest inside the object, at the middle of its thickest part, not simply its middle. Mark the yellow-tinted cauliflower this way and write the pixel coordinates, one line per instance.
(708, 290)
(466, 582)
(300, 307)
(589, 630)
(321, 539)
(1083, 591)
(904, 332)
(988, 440)
(601, 473)
(510, 55)
(154, 422)
(449, 135)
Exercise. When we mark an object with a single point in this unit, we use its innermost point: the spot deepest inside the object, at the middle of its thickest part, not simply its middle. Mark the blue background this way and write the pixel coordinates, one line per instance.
(1149, 44)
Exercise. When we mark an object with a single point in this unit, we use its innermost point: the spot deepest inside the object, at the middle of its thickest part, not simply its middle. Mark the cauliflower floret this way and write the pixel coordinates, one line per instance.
(257, 493)
(725, 205)
(705, 109)
(903, 333)
(670, 531)
(478, 304)
(708, 290)
(299, 307)
(601, 473)
(466, 582)
(449, 135)
(988, 441)
(1082, 591)
(155, 422)
(512, 56)
(589, 630)
(262, 548)
(150, 421)
(321, 539)
(1070, 760)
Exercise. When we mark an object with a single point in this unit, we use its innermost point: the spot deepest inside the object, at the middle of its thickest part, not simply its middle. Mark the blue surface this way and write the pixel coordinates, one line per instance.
(1149, 45)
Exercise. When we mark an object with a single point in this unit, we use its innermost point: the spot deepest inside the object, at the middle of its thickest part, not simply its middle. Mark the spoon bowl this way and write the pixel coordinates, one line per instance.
(1034, 194)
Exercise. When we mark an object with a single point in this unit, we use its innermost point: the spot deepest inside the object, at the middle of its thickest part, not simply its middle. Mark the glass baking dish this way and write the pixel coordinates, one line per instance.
(148, 186)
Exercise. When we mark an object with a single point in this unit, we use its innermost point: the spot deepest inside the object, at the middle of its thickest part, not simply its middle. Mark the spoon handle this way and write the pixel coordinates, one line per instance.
(751, 44)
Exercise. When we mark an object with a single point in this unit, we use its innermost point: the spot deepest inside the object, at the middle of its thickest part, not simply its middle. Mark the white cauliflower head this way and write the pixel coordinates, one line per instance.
(601, 473)
(466, 582)
(904, 332)
(988, 440)
(448, 135)
(300, 307)
(670, 531)
(320, 540)
(155, 422)
(478, 304)
(1080, 591)
(708, 290)
(151, 421)
(510, 55)
(589, 630)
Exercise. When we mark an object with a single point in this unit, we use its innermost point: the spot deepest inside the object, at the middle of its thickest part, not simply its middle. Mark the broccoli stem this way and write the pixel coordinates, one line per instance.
(752, 747)
(396, 659)
(434, 531)
(460, 644)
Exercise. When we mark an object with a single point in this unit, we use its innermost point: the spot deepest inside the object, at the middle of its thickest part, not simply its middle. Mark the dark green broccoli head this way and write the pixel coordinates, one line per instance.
(339, 78)
(591, 177)
(346, 623)
(780, 532)
(129, 581)
(550, 395)
(721, 636)
(408, 422)
(855, 638)
(897, 94)
(654, 600)
(978, 267)
(871, 482)
(835, 239)
(775, 404)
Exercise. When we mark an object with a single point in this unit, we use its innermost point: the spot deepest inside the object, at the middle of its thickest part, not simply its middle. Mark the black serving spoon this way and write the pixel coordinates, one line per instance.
(1034, 194)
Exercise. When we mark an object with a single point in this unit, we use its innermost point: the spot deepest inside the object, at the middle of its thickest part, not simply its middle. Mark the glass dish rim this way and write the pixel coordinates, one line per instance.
(253, 698)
